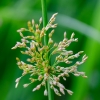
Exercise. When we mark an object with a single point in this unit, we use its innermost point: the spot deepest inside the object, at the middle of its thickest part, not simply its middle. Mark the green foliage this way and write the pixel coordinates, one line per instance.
(80, 16)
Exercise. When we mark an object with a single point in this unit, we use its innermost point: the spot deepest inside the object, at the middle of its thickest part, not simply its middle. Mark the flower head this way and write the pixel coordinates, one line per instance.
(40, 55)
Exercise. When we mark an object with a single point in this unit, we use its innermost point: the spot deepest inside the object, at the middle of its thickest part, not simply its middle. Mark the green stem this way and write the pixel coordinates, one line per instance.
(44, 16)
(50, 96)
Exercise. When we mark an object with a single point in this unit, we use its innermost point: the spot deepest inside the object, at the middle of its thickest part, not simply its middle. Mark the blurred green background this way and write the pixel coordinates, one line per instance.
(79, 16)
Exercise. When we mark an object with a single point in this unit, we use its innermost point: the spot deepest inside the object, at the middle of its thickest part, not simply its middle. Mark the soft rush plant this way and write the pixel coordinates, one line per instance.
(39, 52)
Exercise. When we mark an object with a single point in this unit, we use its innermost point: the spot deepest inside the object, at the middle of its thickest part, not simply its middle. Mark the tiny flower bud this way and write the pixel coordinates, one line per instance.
(14, 47)
(18, 63)
(57, 92)
(76, 74)
(40, 77)
(76, 40)
(60, 85)
(50, 41)
(85, 76)
(38, 87)
(65, 34)
(17, 80)
(21, 34)
(25, 85)
(72, 35)
(56, 79)
(32, 80)
(55, 45)
(45, 92)
(51, 87)
(62, 90)
(54, 26)
(29, 24)
(50, 34)
(33, 22)
(43, 83)
(77, 63)
(17, 59)
(54, 82)
(84, 56)
(64, 78)
(76, 55)
(40, 21)
(38, 31)
(22, 52)
(19, 30)
(70, 92)
(16, 85)
(34, 89)
(53, 16)
(37, 26)
(23, 29)
(85, 59)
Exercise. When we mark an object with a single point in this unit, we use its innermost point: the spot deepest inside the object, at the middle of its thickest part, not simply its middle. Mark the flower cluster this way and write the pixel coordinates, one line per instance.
(38, 63)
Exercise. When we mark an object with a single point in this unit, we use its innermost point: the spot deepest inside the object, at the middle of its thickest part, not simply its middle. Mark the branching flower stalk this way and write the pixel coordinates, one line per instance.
(38, 65)
(44, 15)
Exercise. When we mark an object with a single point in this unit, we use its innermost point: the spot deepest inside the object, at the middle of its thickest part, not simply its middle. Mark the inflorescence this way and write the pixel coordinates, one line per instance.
(38, 63)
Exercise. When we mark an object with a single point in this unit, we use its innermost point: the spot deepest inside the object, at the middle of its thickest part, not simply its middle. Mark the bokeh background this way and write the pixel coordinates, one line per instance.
(79, 16)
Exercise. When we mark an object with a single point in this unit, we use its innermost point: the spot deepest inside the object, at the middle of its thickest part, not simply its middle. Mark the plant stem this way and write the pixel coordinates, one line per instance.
(44, 16)
(50, 95)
